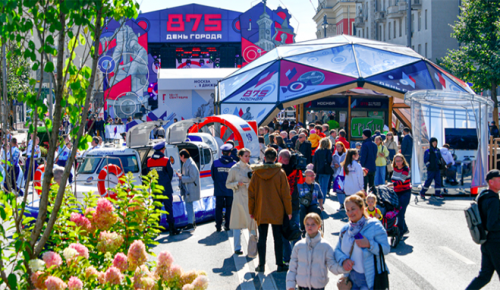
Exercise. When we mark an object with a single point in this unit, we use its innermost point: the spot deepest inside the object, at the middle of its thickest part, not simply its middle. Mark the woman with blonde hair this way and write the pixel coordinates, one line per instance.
(322, 161)
(312, 258)
(360, 240)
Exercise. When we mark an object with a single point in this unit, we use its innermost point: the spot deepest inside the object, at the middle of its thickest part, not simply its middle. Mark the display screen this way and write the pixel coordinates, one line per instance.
(461, 139)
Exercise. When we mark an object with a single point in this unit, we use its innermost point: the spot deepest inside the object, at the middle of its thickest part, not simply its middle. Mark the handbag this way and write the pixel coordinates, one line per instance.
(344, 283)
(381, 281)
(252, 241)
(290, 231)
(306, 200)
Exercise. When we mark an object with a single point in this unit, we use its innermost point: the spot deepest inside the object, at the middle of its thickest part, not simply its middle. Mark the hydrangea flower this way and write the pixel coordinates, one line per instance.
(143, 278)
(120, 262)
(36, 265)
(109, 242)
(81, 249)
(188, 287)
(81, 221)
(136, 255)
(200, 283)
(104, 216)
(165, 259)
(113, 276)
(75, 284)
(54, 283)
(70, 254)
(91, 272)
(52, 259)
(38, 279)
(188, 277)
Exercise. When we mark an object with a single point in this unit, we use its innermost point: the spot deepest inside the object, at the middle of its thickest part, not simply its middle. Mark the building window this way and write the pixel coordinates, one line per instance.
(419, 49)
(394, 28)
(389, 31)
(425, 19)
(400, 27)
(426, 49)
(419, 20)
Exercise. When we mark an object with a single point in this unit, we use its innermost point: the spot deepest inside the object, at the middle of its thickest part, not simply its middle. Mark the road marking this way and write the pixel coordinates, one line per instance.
(457, 255)
(244, 269)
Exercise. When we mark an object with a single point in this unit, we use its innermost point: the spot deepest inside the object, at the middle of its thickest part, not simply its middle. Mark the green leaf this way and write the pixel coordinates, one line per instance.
(12, 280)
(82, 40)
(49, 67)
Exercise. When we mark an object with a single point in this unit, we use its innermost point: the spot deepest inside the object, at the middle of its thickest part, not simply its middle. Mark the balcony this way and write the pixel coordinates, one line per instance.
(380, 16)
(360, 1)
(359, 21)
(403, 6)
(416, 4)
(394, 12)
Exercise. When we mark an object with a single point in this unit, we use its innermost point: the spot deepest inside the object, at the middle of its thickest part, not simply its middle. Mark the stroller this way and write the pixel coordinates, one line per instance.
(388, 203)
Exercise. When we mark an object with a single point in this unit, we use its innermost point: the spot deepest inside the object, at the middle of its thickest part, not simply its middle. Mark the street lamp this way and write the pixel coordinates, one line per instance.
(325, 24)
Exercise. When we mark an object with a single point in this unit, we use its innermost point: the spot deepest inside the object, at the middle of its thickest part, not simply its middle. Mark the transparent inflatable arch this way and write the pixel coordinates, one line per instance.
(459, 119)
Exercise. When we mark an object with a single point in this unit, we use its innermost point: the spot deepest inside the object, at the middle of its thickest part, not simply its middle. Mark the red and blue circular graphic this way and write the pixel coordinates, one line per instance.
(153, 90)
(106, 64)
(296, 86)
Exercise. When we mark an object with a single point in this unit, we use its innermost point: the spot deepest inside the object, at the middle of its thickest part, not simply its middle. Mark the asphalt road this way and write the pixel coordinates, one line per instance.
(438, 253)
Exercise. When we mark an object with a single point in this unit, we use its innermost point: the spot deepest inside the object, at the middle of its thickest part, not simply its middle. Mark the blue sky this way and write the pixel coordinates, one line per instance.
(301, 10)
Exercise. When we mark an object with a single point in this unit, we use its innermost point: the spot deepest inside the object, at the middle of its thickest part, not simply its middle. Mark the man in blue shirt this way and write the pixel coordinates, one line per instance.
(367, 159)
(32, 151)
(223, 195)
(310, 197)
(14, 155)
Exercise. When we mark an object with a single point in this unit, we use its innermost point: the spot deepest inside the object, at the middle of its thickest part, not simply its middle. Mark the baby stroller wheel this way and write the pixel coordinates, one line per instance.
(395, 237)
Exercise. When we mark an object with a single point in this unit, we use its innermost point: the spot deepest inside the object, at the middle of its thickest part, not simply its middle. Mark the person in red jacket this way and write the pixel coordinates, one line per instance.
(342, 139)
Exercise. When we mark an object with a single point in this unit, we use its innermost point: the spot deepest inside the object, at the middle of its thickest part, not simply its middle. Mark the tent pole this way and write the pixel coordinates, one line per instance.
(349, 118)
(391, 104)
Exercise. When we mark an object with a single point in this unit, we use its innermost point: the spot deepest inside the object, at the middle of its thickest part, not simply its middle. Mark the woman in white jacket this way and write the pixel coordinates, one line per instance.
(238, 181)
(312, 257)
(353, 173)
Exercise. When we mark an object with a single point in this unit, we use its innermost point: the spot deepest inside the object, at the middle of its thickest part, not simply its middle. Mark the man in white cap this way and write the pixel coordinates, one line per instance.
(223, 195)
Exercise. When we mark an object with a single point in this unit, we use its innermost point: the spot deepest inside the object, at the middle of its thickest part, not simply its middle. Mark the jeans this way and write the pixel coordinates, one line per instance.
(369, 180)
(490, 262)
(358, 281)
(432, 175)
(278, 243)
(237, 239)
(404, 200)
(305, 210)
(190, 212)
(220, 203)
(288, 245)
(341, 198)
(26, 169)
(380, 175)
(323, 183)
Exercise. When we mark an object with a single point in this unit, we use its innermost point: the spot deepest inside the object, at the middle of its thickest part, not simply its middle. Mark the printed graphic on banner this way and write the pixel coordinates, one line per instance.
(183, 104)
(338, 59)
(464, 85)
(261, 89)
(297, 80)
(370, 103)
(442, 82)
(248, 112)
(372, 61)
(361, 123)
(408, 78)
(263, 28)
(194, 63)
(231, 84)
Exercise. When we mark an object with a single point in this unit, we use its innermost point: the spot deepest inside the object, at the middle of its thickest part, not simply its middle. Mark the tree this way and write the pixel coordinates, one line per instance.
(48, 33)
(478, 58)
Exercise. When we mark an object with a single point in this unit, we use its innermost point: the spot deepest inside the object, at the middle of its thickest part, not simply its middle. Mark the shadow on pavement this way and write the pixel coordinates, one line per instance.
(402, 249)
(214, 239)
(227, 268)
(166, 238)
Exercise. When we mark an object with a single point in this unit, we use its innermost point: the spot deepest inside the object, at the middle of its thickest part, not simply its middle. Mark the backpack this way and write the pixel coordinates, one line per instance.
(473, 217)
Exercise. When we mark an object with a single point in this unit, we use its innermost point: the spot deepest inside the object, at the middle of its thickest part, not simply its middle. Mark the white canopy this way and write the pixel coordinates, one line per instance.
(191, 79)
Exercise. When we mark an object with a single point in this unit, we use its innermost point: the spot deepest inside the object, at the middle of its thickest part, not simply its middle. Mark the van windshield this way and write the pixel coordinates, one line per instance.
(91, 163)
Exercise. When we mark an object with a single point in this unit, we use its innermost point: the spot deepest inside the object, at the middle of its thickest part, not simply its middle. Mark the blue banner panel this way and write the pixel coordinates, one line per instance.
(369, 103)
(442, 82)
(372, 61)
(407, 78)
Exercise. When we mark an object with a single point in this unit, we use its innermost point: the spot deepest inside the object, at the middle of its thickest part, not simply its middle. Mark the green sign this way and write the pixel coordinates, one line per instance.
(361, 123)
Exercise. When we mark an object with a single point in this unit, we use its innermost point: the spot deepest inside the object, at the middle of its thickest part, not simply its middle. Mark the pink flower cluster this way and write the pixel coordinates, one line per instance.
(104, 216)
(91, 272)
(188, 277)
(54, 283)
(81, 221)
(109, 242)
(136, 255)
(75, 284)
(52, 259)
(113, 276)
(165, 261)
(143, 278)
(120, 262)
(38, 279)
(200, 283)
(81, 249)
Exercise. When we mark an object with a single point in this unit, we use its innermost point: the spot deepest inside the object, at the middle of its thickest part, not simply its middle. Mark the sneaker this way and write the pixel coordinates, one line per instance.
(226, 229)
(189, 228)
(422, 196)
(439, 196)
(341, 208)
(219, 230)
(260, 269)
(282, 268)
(238, 252)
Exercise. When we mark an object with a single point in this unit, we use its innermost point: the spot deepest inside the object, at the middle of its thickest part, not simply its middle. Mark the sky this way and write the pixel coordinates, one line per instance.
(302, 11)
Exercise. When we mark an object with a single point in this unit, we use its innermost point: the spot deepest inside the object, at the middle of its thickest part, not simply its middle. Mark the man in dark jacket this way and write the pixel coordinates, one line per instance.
(165, 174)
(367, 159)
(100, 127)
(489, 210)
(377, 133)
(303, 146)
(223, 195)
(433, 161)
(294, 177)
(407, 145)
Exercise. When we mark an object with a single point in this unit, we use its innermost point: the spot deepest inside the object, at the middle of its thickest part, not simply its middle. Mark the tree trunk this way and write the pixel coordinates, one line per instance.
(494, 97)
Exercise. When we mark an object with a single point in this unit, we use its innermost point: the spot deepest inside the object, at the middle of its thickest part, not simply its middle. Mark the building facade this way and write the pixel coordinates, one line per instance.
(340, 16)
(386, 20)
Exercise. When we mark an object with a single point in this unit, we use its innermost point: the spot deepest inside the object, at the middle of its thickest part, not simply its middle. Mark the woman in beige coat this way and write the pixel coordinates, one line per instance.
(238, 180)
